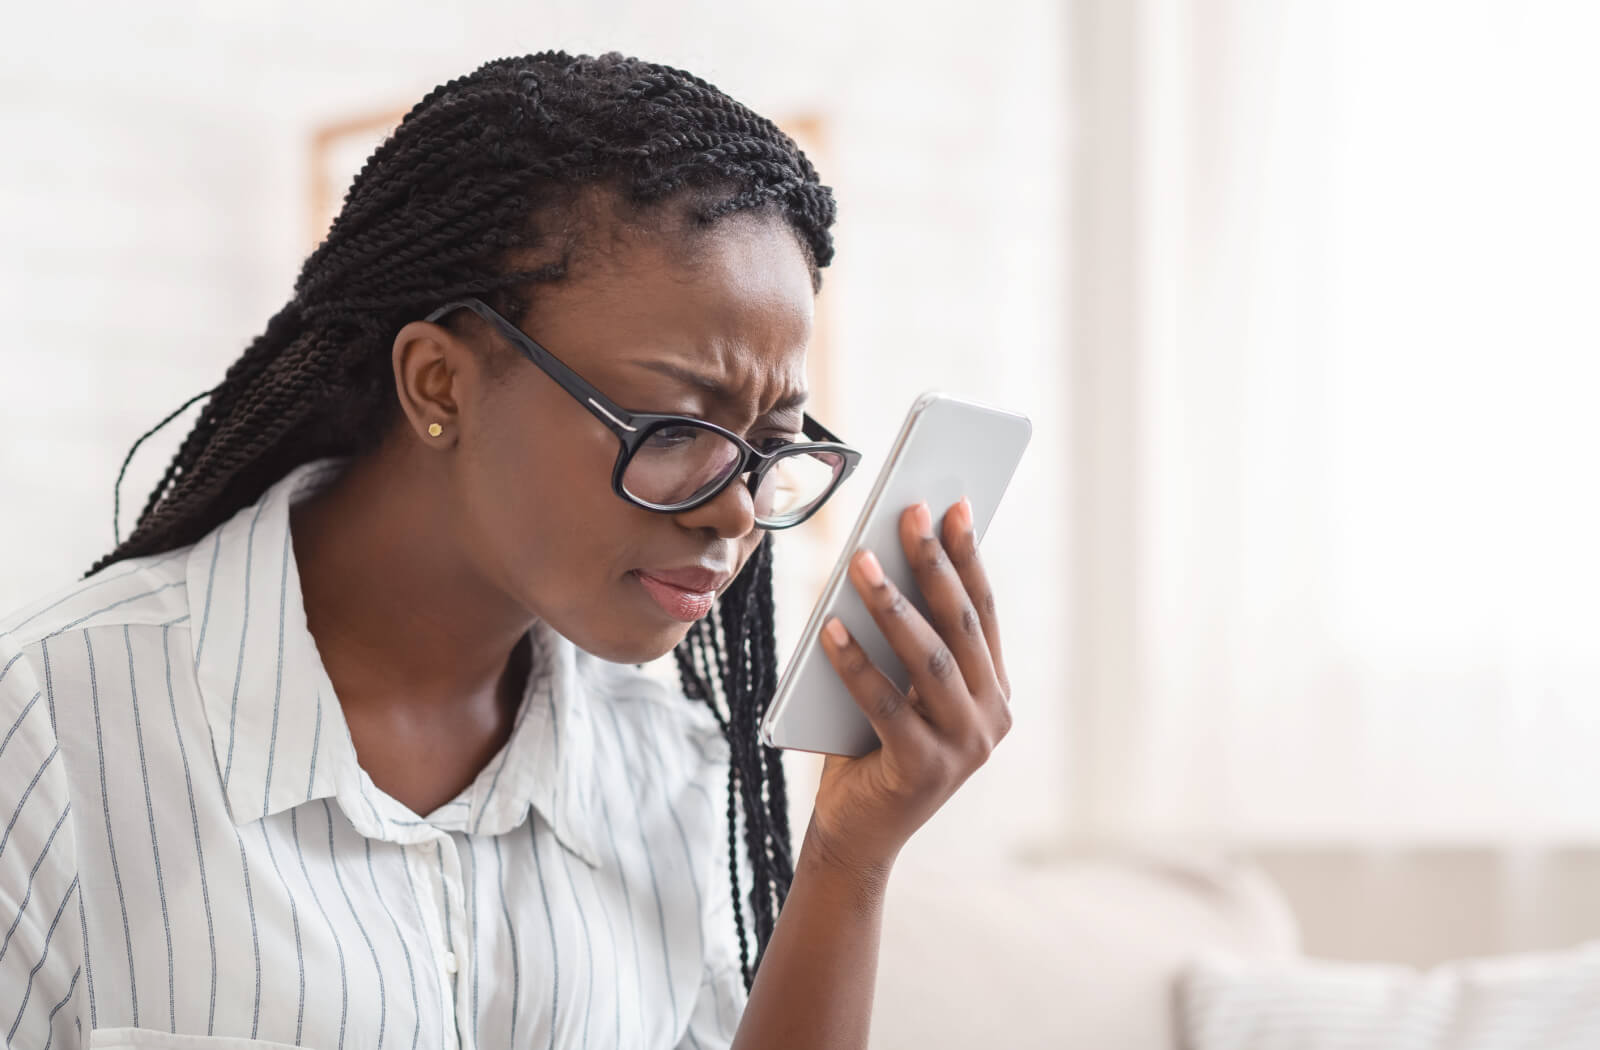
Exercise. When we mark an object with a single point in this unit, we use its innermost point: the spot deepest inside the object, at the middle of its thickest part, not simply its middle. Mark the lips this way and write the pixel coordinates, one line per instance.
(685, 594)
(695, 578)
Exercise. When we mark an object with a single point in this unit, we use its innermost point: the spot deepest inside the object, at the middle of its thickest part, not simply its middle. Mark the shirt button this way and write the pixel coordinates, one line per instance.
(448, 961)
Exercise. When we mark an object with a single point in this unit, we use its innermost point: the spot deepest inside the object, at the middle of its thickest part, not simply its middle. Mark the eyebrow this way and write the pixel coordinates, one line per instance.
(720, 391)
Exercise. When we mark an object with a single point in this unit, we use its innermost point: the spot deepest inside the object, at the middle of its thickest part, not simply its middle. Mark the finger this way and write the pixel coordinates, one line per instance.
(886, 707)
(954, 616)
(935, 676)
(961, 543)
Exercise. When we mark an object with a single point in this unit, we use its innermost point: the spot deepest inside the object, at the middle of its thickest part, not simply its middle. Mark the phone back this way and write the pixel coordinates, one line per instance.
(947, 449)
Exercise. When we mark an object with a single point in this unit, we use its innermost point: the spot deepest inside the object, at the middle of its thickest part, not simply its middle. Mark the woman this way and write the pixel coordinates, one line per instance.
(346, 745)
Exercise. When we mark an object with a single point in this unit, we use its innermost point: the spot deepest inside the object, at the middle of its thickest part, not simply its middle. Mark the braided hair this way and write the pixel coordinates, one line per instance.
(485, 173)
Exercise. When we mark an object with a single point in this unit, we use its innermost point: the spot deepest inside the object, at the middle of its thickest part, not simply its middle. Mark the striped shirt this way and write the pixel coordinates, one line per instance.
(192, 856)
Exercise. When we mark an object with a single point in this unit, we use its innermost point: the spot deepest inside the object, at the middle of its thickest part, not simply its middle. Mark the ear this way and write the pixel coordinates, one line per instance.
(428, 362)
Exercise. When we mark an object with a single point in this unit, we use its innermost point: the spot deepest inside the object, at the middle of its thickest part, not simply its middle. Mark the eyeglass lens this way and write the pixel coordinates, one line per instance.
(677, 464)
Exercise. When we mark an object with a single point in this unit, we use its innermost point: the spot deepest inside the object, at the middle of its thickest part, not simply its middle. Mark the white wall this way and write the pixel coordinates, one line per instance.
(152, 218)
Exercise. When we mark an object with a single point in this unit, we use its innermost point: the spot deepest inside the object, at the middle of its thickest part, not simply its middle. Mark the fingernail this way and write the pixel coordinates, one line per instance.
(836, 633)
(964, 509)
(924, 519)
(871, 569)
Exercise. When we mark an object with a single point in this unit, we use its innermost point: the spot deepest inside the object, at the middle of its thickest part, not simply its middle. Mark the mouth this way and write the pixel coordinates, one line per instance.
(686, 594)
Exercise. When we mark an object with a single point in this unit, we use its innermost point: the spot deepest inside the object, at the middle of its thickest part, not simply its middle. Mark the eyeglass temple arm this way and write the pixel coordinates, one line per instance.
(614, 416)
(817, 432)
(617, 418)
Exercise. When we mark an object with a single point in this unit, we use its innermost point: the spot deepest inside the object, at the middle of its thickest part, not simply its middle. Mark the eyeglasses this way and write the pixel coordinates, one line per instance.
(676, 463)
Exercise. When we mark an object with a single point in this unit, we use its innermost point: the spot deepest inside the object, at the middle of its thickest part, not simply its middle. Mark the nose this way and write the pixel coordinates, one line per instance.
(731, 515)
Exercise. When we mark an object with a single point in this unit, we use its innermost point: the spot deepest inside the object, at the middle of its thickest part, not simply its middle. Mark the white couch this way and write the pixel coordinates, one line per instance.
(1076, 953)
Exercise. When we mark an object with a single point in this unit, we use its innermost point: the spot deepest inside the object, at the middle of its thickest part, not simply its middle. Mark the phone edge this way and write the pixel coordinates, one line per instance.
(813, 628)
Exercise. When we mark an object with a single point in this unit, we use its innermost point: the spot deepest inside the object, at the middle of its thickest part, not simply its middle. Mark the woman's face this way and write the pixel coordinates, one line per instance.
(718, 333)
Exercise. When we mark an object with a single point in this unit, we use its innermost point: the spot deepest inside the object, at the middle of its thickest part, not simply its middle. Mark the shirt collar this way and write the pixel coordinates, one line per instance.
(278, 731)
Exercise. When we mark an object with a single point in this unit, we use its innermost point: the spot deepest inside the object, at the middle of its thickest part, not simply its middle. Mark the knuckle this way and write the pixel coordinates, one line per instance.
(855, 661)
(933, 554)
(894, 602)
(941, 662)
(986, 600)
(971, 626)
(1003, 721)
(888, 703)
(944, 768)
(962, 764)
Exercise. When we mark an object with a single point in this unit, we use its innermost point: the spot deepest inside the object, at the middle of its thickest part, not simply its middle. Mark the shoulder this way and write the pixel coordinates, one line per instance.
(33, 788)
(39, 868)
(39, 663)
(149, 590)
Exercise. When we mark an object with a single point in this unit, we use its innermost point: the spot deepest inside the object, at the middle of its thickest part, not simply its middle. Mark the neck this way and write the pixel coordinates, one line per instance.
(399, 615)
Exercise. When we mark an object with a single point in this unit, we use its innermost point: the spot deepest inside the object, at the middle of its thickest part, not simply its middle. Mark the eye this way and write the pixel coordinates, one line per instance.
(774, 442)
(672, 437)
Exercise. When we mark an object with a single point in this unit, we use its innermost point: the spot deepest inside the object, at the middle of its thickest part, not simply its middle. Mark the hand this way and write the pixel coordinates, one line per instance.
(935, 735)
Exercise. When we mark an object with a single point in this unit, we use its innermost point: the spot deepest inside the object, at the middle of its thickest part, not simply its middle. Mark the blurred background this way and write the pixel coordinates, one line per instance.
(1300, 574)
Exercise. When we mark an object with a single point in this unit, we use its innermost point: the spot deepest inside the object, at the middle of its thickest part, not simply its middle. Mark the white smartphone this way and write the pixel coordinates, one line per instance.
(947, 449)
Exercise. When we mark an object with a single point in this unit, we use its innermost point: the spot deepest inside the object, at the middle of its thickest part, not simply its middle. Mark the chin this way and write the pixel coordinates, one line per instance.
(638, 648)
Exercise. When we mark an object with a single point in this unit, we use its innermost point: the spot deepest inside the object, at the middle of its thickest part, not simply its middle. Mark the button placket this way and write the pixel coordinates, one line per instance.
(454, 955)
(430, 862)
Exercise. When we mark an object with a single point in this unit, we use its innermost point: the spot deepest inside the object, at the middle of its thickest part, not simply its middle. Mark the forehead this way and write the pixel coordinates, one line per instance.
(732, 301)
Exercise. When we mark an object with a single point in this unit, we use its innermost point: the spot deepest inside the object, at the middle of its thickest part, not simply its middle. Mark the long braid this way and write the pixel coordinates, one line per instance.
(481, 177)
(741, 633)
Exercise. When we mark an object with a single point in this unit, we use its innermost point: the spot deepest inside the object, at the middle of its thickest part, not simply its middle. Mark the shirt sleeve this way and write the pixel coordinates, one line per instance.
(41, 949)
(720, 1002)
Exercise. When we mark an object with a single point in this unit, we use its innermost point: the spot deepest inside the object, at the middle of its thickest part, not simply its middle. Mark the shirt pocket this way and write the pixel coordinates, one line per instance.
(150, 1039)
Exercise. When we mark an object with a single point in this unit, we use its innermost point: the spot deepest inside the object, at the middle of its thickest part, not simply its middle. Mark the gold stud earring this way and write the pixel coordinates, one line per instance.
(434, 430)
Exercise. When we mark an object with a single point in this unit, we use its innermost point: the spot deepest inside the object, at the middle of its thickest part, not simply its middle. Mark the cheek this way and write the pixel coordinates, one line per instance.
(542, 497)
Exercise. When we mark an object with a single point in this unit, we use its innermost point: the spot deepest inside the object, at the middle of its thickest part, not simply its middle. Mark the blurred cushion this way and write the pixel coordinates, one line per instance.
(1526, 1002)
(1075, 953)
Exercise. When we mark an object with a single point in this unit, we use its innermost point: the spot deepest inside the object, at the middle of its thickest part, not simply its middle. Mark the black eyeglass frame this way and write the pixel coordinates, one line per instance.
(634, 428)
